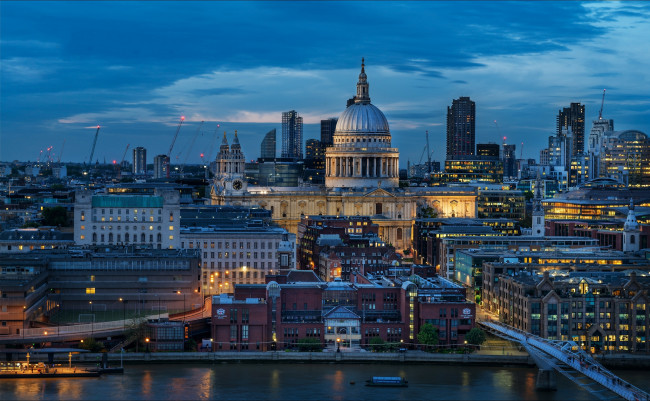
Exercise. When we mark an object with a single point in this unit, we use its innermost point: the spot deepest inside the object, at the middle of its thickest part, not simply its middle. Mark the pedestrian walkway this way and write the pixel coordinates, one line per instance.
(568, 359)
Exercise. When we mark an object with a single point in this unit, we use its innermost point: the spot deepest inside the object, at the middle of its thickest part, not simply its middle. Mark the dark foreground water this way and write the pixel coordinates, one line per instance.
(300, 382)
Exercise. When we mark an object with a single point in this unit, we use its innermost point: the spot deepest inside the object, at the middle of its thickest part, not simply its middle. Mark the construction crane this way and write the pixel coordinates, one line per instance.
(171, 147)
(214, 138)
(189, 150)
(602, 103)
(61, 152)
(178, 128)
(119, 166)
(92, 152)
(428, 154)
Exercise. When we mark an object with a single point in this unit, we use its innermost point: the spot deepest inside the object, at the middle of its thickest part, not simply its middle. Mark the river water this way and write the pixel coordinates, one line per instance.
(247, 381)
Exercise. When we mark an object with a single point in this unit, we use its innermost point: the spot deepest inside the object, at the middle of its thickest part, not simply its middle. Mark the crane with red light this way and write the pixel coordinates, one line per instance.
(171, 147)
(189, 150)
(119, 166)
(92, 151)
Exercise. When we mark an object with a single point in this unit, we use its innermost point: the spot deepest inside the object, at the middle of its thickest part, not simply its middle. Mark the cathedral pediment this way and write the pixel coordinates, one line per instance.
(379, 193)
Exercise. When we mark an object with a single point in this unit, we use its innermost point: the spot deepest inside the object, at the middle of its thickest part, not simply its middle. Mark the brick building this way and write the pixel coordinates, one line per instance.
(601, 311)
(278, 315)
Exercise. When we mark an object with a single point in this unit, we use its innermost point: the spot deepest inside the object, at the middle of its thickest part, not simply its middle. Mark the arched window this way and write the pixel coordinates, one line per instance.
(632, 239)
(94, 237)
(399, 234)
(126, 237)
(159, 238)
(143, 238)
(150, 237)
(110, 237)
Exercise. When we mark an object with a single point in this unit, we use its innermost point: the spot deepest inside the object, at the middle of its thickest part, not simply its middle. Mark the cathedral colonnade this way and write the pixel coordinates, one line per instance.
(384, 166)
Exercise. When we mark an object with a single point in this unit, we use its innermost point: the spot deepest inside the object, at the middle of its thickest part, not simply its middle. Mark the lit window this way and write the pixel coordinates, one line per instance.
(150, 228)
(171, 237)
(83, 227)
(171, 228)
(82, 237)
(90, 290)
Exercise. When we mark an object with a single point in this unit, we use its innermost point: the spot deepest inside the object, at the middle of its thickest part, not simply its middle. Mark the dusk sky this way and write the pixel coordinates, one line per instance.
(135, 67)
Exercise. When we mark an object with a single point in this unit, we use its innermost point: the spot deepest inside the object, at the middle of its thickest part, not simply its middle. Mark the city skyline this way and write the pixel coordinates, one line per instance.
(68, 67)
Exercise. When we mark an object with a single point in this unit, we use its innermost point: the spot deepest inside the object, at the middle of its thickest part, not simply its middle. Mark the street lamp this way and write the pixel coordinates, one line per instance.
(184, 309)
(146, 340)
(338, 345)
(23, 328)
(123, 314)
(92, 322)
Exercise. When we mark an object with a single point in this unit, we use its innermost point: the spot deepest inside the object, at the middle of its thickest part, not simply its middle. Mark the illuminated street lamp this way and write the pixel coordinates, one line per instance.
(123, 314)
(92, 322)
(146, 340)
(338, 345)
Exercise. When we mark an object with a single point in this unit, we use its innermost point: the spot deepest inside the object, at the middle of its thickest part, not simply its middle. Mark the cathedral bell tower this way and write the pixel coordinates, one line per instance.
(229, 174)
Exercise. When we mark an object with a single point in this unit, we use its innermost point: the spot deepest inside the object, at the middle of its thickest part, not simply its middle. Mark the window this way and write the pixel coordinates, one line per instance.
(90, 290)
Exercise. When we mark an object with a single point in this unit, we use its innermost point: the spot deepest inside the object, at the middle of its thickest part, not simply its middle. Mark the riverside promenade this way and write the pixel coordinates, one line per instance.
(408, 357)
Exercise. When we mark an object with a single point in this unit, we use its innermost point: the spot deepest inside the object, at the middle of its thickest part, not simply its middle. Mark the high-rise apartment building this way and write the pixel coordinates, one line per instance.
(291, 135)
(509, 161)
(267, 148)
(571, 120)
(461, 128)
(160, 166)
(139, 161)
(327, 128)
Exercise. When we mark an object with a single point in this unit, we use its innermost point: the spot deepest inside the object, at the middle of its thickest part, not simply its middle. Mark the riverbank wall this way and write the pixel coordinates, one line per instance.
(622, 361)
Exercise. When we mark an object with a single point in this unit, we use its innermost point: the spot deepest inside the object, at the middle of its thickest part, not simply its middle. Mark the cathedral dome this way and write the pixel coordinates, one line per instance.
(362, 118)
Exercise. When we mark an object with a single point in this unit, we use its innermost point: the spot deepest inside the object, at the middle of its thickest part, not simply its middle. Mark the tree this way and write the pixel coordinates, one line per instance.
(475, 336)
(377, 344)
(31, 224)
(309, 345)
(428, 335)
(428, 212)
(92, 345)
(55, 216)
(136, 331)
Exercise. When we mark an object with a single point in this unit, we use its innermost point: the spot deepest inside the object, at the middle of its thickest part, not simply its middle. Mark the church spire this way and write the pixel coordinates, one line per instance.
(224, 143)
(363, 96)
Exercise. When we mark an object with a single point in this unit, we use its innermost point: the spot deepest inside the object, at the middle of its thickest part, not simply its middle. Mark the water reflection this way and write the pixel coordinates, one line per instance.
(147, 382)
(205, 384)
(69, 390)
(304, 381)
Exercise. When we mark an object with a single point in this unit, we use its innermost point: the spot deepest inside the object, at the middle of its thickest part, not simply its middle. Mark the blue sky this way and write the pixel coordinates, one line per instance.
(135, 67)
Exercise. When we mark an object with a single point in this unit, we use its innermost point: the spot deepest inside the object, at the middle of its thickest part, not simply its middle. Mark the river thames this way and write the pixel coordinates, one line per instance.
(248, 381)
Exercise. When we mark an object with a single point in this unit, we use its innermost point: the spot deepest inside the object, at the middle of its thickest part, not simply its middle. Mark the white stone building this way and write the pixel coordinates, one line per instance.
(144, 220)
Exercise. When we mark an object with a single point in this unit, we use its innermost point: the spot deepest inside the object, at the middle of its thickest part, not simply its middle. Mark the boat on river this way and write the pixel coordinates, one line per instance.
(387, 381)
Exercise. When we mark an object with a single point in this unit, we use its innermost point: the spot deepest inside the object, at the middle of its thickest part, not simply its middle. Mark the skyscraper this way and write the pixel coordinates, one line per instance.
(327, 128)
(267, 148)
(160, 166)
(139, 161)
(509, 161)
(291, 135)
(461, 128)
(571, 120)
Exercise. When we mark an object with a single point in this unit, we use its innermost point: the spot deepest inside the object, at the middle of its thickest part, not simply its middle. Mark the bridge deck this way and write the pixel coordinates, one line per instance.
(568, 354)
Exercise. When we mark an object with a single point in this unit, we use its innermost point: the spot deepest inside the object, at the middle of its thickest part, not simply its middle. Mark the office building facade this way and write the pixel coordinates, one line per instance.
(291, 135)
(461, 128)
(268, 146)
(139, 161)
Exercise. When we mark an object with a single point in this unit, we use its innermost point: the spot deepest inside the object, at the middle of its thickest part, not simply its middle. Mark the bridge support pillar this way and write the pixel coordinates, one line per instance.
(546, 380)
